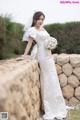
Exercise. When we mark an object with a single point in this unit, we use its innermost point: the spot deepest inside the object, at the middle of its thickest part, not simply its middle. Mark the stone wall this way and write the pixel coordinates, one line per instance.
(20, 85)
(20, 89)
(68, 69)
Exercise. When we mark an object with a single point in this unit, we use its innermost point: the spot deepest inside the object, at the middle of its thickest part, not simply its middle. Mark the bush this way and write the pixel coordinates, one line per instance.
(10, 37)
(68, 36)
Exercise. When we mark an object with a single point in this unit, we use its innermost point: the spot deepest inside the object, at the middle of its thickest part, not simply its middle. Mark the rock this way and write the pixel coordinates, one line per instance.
(77, 92)
(68, 91)
(12, 117)
(67, 69)
(73, 81)
(63, 80)
(75, 60)
(76, 71)
(62, 59)
(59, 69)
(73, 101)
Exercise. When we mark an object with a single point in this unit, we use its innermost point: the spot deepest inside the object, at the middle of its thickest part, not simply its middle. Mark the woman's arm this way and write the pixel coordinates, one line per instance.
(28, 46)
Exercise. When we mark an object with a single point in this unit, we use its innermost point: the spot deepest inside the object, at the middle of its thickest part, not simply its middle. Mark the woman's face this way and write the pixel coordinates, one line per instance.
(40, 21)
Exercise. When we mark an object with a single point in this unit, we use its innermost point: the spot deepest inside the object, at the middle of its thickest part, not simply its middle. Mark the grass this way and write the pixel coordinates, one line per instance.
(74, 114)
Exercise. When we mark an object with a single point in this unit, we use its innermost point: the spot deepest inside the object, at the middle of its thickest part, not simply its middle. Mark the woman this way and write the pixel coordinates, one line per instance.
(52, 98)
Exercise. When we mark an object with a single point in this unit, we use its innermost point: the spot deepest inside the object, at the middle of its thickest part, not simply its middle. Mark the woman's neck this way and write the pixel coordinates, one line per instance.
(38, 28)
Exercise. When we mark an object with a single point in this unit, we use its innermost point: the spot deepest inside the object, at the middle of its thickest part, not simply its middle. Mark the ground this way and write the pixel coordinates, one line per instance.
(72, 115)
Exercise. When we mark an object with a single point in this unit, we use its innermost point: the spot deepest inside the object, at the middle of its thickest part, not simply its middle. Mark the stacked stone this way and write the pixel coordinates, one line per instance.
(68, 69)
(20, 89)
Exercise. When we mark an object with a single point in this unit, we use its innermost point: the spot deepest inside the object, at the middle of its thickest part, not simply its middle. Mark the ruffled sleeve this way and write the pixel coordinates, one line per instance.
(29, 33)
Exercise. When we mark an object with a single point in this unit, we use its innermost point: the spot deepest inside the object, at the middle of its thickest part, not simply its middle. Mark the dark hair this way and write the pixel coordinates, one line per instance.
(36, 17)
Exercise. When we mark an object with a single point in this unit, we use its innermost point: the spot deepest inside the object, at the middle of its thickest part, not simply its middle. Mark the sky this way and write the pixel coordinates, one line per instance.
(55, 12)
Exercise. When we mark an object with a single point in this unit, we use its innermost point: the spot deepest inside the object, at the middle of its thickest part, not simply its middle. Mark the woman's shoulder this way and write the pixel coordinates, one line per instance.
(31, 29)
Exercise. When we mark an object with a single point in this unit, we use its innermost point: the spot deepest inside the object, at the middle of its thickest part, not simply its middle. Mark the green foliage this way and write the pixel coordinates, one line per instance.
(68, 36)
(10, 37)
(74, 114)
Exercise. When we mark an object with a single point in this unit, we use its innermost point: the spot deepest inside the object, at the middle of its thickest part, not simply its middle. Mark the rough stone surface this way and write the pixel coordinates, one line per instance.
(59, 69)
(77, 92)
(67, 69)
(20, 89)
(68, 91)
(73, 80)
(73, 101)
(62, 59)
(75, 60)
(63, 80)
(76, 71)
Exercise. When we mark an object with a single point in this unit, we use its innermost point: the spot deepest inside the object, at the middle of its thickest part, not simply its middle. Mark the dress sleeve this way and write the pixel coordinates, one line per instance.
(29, 33)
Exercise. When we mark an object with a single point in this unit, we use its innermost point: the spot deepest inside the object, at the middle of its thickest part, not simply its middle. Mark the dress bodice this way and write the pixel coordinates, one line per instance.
(39, 36)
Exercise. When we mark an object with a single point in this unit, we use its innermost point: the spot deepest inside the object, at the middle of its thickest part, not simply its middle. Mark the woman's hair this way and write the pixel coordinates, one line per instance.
(36, 17)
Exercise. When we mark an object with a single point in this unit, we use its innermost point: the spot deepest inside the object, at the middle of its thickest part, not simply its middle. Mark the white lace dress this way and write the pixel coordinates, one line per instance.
(52, 98)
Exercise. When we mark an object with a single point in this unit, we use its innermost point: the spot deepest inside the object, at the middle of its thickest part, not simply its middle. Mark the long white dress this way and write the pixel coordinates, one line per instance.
(52, 98)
